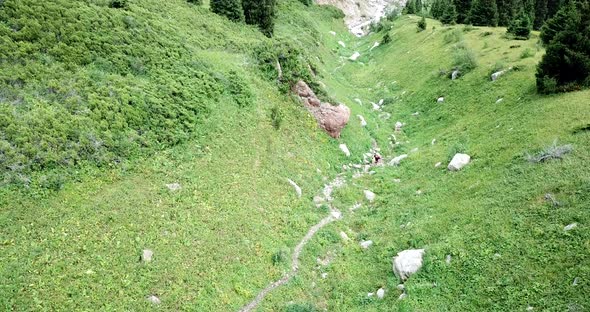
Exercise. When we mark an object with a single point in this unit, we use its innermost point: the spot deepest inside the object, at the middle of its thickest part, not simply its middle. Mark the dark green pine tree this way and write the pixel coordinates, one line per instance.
(520, 26)
(422, 24)
(261, 13)
(484, 13)
(529, 10)
(419, 6)
(410, 7)
(540, 14)
(449, 13)
(195, 2)
(462, 7)
(552, 7)
(566, 63)
(231, 9)
(436, 9)
(506, 10)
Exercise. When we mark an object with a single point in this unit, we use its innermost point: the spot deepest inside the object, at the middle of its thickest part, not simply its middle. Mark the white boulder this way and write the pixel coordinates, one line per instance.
(355, 56)
(370, 196)
(147, 255)
(342, 44)
(407, 263)
(459, 161)
(380, 293)
(570, 227)
(440, 100)
(397, 160)
(345, 150)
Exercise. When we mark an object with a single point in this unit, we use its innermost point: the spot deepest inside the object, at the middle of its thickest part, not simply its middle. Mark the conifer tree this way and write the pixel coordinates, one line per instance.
(261, 13)
(484, 13)
(520, 26)
(410, 7)
(506, 10)
(540, 14)
(566, 63)
(422, 24)
(449, 13)
(462, 7)
(231, 9)
(436, 9)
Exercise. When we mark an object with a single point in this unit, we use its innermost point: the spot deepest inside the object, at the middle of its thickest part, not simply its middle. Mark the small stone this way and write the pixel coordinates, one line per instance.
(499, 101)
(398, 126)
(570, 227)
(355, 56)
(345, 150)
(433, 142)
(355, 206)
(324, 275)
(437, 165)
(370, 196)
(381, 101)
(370, 294)
(397, 160)
(344, 236)
(402, 296)
(459, 161)
(336, 214)
(380, 293)
(401, 287)
(448, 259)
(414, 150)
(147, 255)
(455, 74)
(366, 244)
(529, 308)
(397, 180)
(363, 121)
(174, 186)
(419, 192)
(296, 187)
(376, 44)
(416, 114)
(575, 283)
(153, 299)
(342, 44)
(358, 101)
(376, 106)
(440, 100)
(333, 33)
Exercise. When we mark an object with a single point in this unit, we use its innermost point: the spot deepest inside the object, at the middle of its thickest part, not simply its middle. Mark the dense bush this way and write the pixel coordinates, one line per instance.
(422, 24)
(566, 64)
(520, 26)
(81, 83)
(231, 9)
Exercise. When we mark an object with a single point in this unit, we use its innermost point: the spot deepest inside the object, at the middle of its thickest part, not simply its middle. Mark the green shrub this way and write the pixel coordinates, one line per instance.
(453, 36)
(232, 9)
(276, 117)
(422, 24)
(386, 39)
(306, 2)
(118, 4)
(526, 53)
(464, 59)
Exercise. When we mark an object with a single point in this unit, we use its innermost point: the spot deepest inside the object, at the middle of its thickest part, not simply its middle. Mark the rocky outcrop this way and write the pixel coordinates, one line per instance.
(329, 117)
(361, 13)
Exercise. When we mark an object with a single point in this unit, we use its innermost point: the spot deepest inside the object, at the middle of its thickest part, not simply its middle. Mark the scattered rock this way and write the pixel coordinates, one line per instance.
(147, 255)
(575, 282)
(296, 187)
(370, 196)
(329, 117)
(336, 214)
(381, 101)
(375, 106)
(570, 227)
(414, 150)
(401, 287)
(397, 160)
(419, 192)
(333, 33)
(355, 56)
(385, 116)
(455, 74)
(370, 294)
(366, 244)
(397, 180)
(459, 161)
(344, 236)
(398, 126)
(342, 44)
(407, 263)
(440, 100)
(380, 293)
(497, 74)
(448, 259)
(363, 121)
(402, 296)
(345, 150)
(529, 308)
(376, 44)
(359, 101)
(416, 114)
(153, 299)
(433, 142)
(498, 101)
(355, 206)
(174, 187)
(437, 165)
(324, 275)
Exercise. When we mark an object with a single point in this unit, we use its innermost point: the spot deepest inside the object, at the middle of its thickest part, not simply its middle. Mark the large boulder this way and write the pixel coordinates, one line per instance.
(331, 118)
(407, 263)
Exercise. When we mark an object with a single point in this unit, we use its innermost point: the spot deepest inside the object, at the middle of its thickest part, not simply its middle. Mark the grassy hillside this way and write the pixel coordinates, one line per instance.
(187, 102)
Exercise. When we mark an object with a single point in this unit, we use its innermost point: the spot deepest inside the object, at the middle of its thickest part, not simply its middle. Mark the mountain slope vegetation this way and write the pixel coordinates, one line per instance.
(102, 107)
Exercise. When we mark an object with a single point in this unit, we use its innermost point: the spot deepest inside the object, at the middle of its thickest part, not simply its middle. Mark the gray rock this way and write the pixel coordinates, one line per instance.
(459, 161)
(363, 121)
(398, 126)
(448, 260)
(455, 74)
(147, 255)
(498, 101)
(437, 165)
(401, 287)
(370, 196)
(380, 293)
(440, 100)
(174, 187)
(345, 150)
(402, 296)
(296, 187)
(397, 160)
(407, 263)
(575, 283)
(342, 44)
(153, 299)
(570, 227)
(355, 56)
(344, 236)
(366, 244)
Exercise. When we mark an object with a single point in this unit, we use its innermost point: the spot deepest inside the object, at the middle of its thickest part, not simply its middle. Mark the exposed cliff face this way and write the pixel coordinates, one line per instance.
(361, 13)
